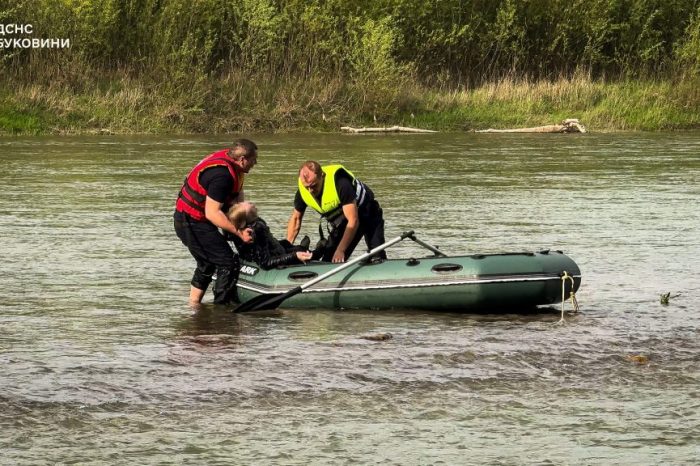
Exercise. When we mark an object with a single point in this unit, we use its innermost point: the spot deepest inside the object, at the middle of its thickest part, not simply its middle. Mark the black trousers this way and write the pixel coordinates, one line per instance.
(371, 229)
(213, 254)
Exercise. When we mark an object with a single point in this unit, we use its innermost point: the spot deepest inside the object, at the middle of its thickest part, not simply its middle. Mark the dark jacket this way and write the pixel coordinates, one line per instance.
(266, 250)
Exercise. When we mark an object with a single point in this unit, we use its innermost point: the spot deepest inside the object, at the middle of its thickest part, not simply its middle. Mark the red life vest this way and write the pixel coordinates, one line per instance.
(192, 195)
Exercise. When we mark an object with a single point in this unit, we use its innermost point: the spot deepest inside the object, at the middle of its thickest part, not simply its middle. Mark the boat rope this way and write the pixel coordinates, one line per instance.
(574, 303)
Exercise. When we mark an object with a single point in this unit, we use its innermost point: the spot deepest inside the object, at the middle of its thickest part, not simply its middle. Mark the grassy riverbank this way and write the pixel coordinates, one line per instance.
(228, 105)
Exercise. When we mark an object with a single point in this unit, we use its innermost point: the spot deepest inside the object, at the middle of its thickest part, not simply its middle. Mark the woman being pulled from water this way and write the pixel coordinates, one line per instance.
(265, 250)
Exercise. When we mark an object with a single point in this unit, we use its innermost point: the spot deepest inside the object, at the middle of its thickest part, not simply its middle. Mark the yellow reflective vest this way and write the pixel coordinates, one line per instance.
(329, 206)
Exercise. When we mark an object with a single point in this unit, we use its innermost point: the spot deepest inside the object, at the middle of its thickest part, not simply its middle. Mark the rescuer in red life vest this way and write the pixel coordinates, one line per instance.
(211, 188)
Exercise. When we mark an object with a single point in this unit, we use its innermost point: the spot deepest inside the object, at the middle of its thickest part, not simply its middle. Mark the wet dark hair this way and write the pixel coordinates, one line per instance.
(246, 146)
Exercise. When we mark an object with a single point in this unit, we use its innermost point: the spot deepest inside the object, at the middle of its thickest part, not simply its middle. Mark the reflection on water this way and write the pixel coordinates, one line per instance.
(102, 361)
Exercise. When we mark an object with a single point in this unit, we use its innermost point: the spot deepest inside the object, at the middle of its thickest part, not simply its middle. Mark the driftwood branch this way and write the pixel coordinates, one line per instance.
(570, 125)
(391, 129)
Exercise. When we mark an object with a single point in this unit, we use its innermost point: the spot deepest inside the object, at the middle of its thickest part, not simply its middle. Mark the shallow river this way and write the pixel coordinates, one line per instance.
(103, 362)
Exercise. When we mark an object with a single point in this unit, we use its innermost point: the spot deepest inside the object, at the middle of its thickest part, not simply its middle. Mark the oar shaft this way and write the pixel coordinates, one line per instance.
(354, 261)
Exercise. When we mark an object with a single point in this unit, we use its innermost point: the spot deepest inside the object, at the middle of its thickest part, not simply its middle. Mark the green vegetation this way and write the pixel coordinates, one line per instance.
(280, 65)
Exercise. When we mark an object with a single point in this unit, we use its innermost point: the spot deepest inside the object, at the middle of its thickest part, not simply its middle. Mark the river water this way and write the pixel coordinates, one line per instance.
(103, 362)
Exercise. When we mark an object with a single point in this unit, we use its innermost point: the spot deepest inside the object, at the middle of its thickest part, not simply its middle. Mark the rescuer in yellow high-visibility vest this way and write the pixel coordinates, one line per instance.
(345, 202)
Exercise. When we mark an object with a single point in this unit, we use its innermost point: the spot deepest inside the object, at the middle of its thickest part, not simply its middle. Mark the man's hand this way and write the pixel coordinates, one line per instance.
(246, 235)
(304, 256)
(339, 256)
(213, 213)
(350, 213)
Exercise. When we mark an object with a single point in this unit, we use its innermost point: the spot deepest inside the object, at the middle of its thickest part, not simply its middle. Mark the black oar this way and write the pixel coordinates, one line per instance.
(272, 301)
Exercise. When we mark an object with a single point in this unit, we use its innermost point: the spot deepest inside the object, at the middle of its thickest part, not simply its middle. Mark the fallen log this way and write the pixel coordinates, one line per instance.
(570, 125)
(391, 129)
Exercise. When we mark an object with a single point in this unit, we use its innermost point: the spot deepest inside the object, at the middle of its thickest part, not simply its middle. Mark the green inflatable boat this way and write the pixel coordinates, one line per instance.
(481, 282)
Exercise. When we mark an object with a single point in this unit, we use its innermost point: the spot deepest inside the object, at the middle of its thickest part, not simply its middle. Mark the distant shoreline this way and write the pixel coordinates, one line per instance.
(119, 105)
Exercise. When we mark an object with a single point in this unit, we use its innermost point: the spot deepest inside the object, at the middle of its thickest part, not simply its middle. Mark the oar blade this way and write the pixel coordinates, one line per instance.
(266, 302)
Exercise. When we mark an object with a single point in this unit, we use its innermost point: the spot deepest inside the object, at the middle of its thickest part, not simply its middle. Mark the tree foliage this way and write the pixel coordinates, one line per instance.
(467, 41)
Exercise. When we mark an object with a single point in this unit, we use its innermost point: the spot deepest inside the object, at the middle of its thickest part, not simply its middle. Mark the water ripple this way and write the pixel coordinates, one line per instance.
(103, 362)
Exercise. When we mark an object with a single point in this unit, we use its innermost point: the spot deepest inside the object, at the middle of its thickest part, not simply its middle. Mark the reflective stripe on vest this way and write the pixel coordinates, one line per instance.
(330, 200)
(192, 196)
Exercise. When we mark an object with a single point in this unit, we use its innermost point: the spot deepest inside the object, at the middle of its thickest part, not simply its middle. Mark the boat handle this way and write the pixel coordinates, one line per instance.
(444, 268)
(302, 275)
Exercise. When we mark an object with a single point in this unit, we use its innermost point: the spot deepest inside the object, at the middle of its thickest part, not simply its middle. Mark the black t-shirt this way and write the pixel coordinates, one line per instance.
(217, 182)
(343, 183)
